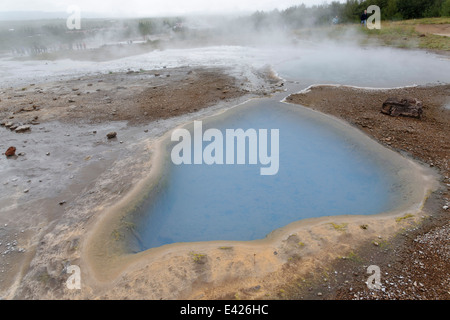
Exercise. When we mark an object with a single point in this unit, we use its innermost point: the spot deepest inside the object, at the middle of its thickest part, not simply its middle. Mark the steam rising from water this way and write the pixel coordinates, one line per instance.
(315, 63)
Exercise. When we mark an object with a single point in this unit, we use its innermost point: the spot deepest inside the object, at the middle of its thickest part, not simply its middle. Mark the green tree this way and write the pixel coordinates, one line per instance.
(434, 9)
(390, 12)
(445, 9)
(411, 9)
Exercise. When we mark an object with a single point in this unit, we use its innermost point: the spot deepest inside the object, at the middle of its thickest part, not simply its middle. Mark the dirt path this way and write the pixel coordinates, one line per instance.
(437, 29)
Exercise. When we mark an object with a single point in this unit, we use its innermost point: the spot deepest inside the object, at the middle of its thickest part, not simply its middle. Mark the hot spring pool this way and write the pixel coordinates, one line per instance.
(323, 171)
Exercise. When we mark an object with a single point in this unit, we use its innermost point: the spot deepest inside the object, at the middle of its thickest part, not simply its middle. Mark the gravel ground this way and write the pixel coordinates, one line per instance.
(414, 264)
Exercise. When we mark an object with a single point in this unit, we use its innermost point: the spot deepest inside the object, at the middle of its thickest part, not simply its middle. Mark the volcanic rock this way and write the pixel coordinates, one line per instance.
(10, 152)
(407, 107)
(111, 135)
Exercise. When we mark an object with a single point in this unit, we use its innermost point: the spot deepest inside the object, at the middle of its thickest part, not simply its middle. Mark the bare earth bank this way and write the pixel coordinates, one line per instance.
(415, 263)
(66, 170)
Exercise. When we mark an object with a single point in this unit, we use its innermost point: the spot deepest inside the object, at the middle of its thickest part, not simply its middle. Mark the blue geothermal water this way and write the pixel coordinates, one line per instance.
(322, 172)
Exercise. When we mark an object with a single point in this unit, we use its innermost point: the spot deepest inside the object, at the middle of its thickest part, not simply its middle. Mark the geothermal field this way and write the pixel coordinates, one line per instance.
(224, 157)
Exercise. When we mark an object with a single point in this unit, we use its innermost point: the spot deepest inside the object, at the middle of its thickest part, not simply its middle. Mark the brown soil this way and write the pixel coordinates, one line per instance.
(136, 96)
(437, 29)
(414, 264)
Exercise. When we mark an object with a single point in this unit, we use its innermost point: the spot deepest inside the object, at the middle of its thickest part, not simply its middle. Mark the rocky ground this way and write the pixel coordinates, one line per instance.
(137, 97)
(66, 170)
(66, 164)
(415, 263)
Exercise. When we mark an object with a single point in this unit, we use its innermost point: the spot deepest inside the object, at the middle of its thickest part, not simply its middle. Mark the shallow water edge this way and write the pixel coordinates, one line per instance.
(108, 257)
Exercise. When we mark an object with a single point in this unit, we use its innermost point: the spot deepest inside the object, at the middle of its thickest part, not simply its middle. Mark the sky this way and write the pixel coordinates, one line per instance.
(116, 8)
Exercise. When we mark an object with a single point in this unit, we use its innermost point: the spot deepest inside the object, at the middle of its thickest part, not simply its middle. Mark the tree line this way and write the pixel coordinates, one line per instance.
(350, 12)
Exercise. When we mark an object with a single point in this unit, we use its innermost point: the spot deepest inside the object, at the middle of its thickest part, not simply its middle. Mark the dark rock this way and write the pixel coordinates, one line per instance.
(10, 152)
(111, 135)
(405, 107)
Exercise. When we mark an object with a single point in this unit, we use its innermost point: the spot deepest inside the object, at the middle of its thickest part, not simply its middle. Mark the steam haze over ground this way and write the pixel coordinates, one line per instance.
(153, 8)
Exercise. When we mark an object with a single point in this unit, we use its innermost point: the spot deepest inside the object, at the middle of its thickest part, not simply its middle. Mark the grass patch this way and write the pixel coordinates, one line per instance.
(398, 34)
(435, 42)
(403, 34)
(199, 258)
(352, 256)
(382, 244)
(441, 20)
(340, 227)
(407, 216)
(128, 225)
(117, 235)
(225, 248)
(44, 277)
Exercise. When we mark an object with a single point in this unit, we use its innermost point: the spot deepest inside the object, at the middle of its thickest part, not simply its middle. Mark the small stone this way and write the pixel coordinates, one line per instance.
(111, 135)
(22, 128)
(445, 207)
(62, 202)
(319, 294)
(26, 190)
(10, 152)
(47, 154)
